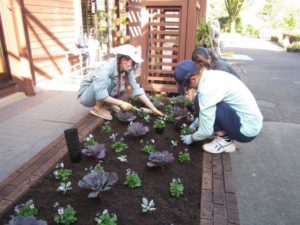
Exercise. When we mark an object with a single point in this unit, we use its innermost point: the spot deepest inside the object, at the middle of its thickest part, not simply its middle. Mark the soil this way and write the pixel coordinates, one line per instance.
(122, 200)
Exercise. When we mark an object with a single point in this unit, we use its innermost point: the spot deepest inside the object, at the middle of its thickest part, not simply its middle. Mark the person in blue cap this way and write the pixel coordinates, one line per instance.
(107, 84)
(228, 110)
(208, 59)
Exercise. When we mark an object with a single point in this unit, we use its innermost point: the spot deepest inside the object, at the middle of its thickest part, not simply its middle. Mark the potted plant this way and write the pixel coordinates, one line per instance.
(159, 125)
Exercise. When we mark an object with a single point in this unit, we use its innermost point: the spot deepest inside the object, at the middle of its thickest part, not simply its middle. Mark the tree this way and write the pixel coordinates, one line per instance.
(233, 8)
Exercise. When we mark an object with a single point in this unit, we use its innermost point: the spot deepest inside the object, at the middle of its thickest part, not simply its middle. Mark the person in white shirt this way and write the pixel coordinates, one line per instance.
(228, 109)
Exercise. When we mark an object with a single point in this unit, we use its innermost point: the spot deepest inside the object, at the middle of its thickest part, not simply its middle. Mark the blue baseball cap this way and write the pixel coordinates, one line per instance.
(184, 70)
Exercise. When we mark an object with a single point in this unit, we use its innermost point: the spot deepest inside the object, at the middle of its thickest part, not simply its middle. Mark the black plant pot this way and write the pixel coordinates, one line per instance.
(72, 140)
(159, 130)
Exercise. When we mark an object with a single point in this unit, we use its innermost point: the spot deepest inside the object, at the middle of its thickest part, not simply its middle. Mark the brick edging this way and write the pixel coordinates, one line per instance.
(218, 195)
(18, 183)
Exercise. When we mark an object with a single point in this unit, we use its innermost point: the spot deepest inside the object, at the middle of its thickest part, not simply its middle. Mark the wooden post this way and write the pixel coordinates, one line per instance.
(26, 76)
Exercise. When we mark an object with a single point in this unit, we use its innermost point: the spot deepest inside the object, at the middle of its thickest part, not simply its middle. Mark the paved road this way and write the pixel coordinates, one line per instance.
(267, 170)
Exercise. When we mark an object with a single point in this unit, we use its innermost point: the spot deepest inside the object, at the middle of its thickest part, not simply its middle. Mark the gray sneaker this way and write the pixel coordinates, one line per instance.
(219, 145)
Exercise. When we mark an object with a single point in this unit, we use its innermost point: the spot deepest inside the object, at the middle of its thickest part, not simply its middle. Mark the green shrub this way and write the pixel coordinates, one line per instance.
(274, 39)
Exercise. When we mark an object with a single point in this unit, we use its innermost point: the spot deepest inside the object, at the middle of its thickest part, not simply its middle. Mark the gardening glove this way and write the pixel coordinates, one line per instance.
(125, 106)
(187, 139)
(195, 124)
(157, 112)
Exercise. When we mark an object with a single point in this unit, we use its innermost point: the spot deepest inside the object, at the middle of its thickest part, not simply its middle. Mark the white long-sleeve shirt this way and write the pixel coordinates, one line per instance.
(216, 86)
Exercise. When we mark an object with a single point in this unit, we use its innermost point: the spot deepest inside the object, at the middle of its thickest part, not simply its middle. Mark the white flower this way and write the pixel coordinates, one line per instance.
(61, 211)
(122, 158)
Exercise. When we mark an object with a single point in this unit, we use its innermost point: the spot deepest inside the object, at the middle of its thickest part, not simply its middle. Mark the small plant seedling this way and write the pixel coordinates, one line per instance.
(90, 140)
(145, 116)
(27, 209)
(147, 206)
(159, 123)
(132, 179)
(122, 158)
(98, 168)
(184, 157)
(113, 136)
(148, 148)
(119, 146)
(106, 129)
(176, 188)
(61, 173)
(105, 218)
(174, 143)
(64, 187)
(169, 109)
(65, 215)
(185, 130)
(169, 118)
(188, 102)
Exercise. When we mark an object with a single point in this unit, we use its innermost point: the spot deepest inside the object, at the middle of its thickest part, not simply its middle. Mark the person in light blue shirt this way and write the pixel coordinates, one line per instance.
(228, 109)
(107, 84)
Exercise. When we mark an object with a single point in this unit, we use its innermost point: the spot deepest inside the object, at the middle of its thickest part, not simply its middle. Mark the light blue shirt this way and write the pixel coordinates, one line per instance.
(216, 86)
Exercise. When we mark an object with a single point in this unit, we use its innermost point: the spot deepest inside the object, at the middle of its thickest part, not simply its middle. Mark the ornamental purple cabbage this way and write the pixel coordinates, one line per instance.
(98, 182)
(180, 113)
(160, 159)
(97, 150)
(136, 129)
(125, 116)
(22, 220)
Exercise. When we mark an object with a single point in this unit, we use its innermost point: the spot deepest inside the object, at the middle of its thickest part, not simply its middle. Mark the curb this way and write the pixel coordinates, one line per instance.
(218, 196)
(18, 183)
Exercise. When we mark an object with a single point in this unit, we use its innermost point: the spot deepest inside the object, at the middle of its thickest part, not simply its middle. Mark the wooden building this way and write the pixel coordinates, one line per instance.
(37, 36)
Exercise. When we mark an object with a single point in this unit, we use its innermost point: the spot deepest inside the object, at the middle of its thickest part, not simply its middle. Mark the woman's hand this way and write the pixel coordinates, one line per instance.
(125, 106)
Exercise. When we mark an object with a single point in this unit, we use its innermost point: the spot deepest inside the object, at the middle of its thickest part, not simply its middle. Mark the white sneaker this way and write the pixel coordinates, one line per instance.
(219, 145)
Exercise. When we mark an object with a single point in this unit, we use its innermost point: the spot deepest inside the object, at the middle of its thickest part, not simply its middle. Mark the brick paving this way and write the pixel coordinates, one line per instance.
(218, 198)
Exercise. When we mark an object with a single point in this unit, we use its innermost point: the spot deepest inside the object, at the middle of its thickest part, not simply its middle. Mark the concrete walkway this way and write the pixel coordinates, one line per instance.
(267, 169)
(27, 124)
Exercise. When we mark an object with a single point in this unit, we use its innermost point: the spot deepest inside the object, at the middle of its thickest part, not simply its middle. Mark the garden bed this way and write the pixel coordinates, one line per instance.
(122, 200)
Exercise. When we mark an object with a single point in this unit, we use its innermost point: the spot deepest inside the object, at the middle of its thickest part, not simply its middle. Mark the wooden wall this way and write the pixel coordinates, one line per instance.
(51, 31)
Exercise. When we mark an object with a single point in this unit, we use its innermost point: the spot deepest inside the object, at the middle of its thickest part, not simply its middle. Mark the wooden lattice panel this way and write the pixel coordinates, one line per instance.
(162, 50)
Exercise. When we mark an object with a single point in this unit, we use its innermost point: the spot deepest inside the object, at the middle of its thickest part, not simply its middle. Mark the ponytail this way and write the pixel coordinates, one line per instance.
(201, 62)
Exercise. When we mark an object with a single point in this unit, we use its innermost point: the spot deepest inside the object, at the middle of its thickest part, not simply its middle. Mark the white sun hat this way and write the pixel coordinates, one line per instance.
(129, 50)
